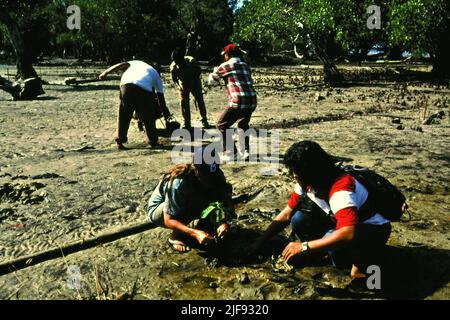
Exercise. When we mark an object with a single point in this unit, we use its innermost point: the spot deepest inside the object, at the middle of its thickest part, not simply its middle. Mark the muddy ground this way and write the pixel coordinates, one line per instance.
(62, 181)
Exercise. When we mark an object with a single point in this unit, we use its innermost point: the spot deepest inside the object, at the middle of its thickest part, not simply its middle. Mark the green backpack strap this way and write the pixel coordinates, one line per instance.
(216, 212)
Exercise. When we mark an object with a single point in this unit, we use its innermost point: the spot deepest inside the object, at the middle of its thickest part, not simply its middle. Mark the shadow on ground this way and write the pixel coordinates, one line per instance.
(406, 272)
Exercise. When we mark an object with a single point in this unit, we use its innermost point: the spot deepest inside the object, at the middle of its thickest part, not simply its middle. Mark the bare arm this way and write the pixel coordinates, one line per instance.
(333, 241)
(162, 105)
(114, 68)
(279, 223)
(202, 237)
(214, 77)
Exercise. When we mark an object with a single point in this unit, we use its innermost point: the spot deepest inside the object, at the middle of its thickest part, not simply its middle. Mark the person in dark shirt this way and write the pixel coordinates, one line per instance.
(186, 75)
(182, 194)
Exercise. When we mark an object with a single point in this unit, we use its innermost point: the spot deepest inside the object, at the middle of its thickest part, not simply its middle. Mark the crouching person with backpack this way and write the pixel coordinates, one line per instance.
(344, 223)
(195, 201)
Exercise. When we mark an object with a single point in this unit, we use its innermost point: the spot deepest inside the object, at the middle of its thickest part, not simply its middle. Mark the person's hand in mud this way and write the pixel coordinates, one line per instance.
(222, 230)
(255, 247)
(292, 249)
(280, 222)
(203, 238)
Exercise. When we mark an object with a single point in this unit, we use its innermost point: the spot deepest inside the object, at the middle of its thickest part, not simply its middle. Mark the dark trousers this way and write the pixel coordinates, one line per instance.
(230, 116)
(134, 98)
(196, 91)
(365, 249)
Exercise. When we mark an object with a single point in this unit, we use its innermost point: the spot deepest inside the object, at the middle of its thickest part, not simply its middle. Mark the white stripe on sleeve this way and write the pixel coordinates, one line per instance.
(343, 199)
(298, 190)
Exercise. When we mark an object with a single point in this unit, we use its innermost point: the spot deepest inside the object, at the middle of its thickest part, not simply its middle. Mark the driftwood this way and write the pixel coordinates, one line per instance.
(27, 261)
(387, 115)
(32, 86)
(10, 87)
(28, 89)
(74, 81)
(59, 252)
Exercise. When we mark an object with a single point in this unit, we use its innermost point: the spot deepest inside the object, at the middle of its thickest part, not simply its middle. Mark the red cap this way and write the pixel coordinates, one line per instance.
(232, 48)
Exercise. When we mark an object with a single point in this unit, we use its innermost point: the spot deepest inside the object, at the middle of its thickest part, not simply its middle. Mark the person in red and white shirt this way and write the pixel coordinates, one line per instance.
(343, 225)
(241, 94)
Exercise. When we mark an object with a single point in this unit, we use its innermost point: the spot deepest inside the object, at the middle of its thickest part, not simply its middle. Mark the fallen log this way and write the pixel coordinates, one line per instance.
(59, 252)
(10, 87)
(29, 89)
(33, 259)
(75, 81)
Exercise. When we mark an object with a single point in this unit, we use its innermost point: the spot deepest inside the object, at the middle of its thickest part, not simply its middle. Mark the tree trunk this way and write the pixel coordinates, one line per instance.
(297, 55)
(192, 36)
(394, 53)
(441, 61)
(32, 84)
(441, 66)
(332, 76)
(191, 40)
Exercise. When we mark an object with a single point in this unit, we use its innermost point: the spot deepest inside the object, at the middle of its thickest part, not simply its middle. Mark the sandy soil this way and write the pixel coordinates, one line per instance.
(62, 181)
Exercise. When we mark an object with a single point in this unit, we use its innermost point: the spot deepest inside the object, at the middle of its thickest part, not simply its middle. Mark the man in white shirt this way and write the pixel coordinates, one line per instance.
(141, 90)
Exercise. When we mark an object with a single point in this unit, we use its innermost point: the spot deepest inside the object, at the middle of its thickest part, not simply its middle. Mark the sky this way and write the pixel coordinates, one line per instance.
(240, 3)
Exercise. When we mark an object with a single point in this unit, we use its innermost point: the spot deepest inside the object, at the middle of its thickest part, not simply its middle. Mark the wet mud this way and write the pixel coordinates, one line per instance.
(62, 182)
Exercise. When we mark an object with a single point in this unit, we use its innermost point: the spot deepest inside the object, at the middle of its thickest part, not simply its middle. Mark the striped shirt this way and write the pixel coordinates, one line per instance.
(240, 91)
(347, 196)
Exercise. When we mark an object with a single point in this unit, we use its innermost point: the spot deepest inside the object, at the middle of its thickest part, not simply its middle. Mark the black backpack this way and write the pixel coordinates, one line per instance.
(384, 197)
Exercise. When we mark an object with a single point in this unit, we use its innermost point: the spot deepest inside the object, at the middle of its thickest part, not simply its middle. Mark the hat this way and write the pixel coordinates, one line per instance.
(232, 48)
(177, 55)
(206, 160)
(208, 169)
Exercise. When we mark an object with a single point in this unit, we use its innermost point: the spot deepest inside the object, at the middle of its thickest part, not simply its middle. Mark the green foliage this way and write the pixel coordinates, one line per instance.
(341, 25)
(208, 22)
(3, 39)
(418, 25)
(267, 25)
(122, 29)
(119, 29)
(33, 21)
(318, 15)
(277, 24)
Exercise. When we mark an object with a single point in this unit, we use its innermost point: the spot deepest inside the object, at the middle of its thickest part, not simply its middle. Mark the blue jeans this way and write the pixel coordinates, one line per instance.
(310, 225)
(365, 248)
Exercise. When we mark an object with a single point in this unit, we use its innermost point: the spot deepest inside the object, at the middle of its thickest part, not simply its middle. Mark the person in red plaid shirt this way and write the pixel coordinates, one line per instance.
(240, 91)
